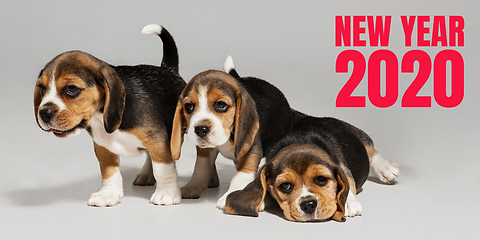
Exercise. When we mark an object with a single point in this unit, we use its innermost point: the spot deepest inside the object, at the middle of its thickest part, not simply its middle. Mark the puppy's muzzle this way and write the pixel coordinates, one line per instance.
(47, 114)
(202, 131)
(308, 206)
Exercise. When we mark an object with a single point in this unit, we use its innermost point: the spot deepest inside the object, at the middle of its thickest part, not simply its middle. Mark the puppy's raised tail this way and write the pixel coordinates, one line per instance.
(170, 52)
(230, 68)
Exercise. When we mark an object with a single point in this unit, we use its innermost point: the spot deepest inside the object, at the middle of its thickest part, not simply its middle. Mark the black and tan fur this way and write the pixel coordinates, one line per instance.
(326, 157)
(112, 102)
(258, 115)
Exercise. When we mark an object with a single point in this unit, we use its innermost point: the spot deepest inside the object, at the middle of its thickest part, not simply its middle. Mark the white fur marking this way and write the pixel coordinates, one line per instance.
(167, 191)
(228, 65)
(110, 193)
(76, 132)
(262, 207)
(217, 136)
(152, 29)
(352, 206)
(238, 182)
(305, 193)
(227, 150)
(385, 169)
(52, 96)
(118, 142)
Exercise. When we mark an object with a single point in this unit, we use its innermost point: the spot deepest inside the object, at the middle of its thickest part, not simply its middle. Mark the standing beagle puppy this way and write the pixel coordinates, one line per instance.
(315, 172)
(127, 110)
(238, 117)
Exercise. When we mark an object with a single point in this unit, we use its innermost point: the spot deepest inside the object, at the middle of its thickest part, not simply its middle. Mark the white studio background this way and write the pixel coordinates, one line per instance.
(45, 182)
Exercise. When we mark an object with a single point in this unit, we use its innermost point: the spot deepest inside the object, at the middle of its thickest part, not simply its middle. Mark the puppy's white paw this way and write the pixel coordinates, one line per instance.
(167, 191)
(166, 197)
(238, 182)
(106, 197)
(352, 206)
(222, 201)
(385, 169)
(262, 207)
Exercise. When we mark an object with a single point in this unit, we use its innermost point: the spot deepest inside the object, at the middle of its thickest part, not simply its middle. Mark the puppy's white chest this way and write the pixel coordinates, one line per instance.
(227, 150)
(118, 142)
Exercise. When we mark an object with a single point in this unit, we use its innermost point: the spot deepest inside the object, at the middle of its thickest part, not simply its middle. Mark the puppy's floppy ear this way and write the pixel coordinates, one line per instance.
(342, 193)
(114, 98)
(247, 201)
(246, 122)
(177, 131)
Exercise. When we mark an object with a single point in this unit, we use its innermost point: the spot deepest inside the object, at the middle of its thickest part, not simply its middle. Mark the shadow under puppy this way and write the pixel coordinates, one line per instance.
(224, 113)
(127, 110)
(315, 172)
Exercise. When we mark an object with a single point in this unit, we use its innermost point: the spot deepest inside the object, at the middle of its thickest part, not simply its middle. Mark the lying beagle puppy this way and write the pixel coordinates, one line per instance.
(127, 110)
(315, 172)
(238, 117)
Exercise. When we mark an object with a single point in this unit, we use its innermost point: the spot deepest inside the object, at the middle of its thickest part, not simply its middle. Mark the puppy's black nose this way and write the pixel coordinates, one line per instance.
(47, 115)
(308, 206)
(202, 131)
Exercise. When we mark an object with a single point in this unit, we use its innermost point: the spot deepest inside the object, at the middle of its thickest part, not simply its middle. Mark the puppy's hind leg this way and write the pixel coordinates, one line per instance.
(385, 169)
(145, 177)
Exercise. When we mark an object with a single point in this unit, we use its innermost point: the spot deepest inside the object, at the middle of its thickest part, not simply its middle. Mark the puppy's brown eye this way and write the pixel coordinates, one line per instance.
(72, 91)
(286, 187)
(189, 107)
(221, 107)
(42, 88)
(321, 181)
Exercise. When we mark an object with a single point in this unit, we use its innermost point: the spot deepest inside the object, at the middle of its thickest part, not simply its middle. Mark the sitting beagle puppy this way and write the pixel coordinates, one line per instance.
(239, 117)
(315, 172)
(127, 110)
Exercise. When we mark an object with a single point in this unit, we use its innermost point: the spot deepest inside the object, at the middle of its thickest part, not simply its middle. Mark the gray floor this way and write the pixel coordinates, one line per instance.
(45, 182)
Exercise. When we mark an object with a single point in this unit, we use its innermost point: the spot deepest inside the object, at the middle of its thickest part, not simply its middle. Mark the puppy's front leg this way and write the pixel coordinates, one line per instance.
(165, 172)
(112, 187)
(204, 173)
(246, 169)
(352, 206)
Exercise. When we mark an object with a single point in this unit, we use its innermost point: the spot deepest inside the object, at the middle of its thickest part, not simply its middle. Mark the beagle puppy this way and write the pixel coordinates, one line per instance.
(127, 110)
(239, 117)
(315, 172)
